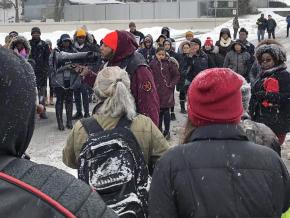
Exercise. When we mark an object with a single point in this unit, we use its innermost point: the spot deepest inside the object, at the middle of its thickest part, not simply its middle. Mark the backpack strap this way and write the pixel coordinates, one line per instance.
(91, 125)
(124, 122)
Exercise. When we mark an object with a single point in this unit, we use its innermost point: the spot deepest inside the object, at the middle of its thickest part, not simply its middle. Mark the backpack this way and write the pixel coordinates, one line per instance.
(112, 162)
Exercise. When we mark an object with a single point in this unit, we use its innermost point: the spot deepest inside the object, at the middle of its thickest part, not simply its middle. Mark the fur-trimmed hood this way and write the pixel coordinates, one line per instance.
(20, 39)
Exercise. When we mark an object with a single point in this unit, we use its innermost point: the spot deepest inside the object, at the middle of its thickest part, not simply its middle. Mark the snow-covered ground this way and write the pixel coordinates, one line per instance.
(47, 143)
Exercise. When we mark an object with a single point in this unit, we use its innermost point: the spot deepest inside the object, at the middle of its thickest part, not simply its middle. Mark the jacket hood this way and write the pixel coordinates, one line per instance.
(127, 45)
(168, 40)
(17, 103)
(162, 35)
(239, 43)
(164, 30)
(20, 39)
(149, 37)
(225, 30)
(181, 45)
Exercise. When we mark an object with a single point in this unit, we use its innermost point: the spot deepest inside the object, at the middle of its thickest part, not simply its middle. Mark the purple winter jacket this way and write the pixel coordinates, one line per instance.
(166, 76)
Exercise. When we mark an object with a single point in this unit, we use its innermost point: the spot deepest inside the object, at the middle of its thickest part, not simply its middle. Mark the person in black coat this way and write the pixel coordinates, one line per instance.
(262, 26)
(32, 190)
(214, 58)
(270, 102)
(224, 43)
(82, 94)
(139, 36)
(271, 26)
(218, 172)
(64, 79)
(40, 54)
(148, 51)
(198, 60)
(243, 35)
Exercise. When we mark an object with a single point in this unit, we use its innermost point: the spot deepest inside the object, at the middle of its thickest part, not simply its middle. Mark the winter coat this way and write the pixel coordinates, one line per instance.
(240, 63)
(20, 39)
(214, 58)
(63, 188)
(142, 82)
(271, 25)
(166, 77)
(198, 63)
(138, 36)
(236, 24)
(63, 76)
(260, 134)
(40, 54)
(148, 53)
(150, 139)
(184, 68)
(262, 23)
(250, 48)
(219, 174)
(272, 107)
(224, 46)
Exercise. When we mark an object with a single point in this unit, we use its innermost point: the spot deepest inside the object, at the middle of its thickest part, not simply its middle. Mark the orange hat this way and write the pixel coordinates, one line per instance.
(189, 33)
(111, 40)
(81, 32)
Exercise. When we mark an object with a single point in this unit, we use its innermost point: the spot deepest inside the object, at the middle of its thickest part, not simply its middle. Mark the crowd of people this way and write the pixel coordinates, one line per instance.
(228, 164)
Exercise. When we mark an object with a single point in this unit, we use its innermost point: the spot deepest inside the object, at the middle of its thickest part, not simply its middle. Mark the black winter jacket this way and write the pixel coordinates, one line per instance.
(277, 116)
(197, 63)
(219, 174)
(271, 25)
(148, 53)
(71, 193)
(40, 54)
(184, 68)
(262, 23)
(214, 58)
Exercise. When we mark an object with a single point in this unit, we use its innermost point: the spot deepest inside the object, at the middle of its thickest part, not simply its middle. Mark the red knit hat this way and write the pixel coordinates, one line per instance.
(208, 41)
(214, 97)
(111, 40)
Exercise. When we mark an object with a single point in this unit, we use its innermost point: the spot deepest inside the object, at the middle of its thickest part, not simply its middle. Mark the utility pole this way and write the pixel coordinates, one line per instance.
(16, 12)
(237, 7)
(215, 8)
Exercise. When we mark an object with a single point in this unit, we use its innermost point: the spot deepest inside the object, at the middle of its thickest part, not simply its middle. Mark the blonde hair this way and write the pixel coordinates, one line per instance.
(112, 90)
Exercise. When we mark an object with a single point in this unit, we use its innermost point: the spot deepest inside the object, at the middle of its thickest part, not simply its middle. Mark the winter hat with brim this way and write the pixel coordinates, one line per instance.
(276, 51)
(35, 30)
(111, 40)
(238, 42)
(215, 97)
(197, 41)
(13, 34)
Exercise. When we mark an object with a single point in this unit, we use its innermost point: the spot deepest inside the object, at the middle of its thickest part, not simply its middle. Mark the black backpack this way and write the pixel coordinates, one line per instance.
(112, 162)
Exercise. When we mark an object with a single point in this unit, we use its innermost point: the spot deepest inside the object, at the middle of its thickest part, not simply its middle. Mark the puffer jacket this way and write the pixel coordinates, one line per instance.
(219, 174)
(214, 58)
(272, 108)
(198, 63)
(238, 62)
(150, 139)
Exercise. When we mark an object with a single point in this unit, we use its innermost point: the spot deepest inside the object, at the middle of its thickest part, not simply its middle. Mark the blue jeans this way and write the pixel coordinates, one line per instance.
(261, 34)
(82, 94)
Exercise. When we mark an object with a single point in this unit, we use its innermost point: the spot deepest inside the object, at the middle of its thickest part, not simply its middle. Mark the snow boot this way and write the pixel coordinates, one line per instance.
(87, 115)
(172, 116)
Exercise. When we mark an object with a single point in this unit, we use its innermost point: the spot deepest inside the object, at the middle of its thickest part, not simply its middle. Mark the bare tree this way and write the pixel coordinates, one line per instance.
(6, 4)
